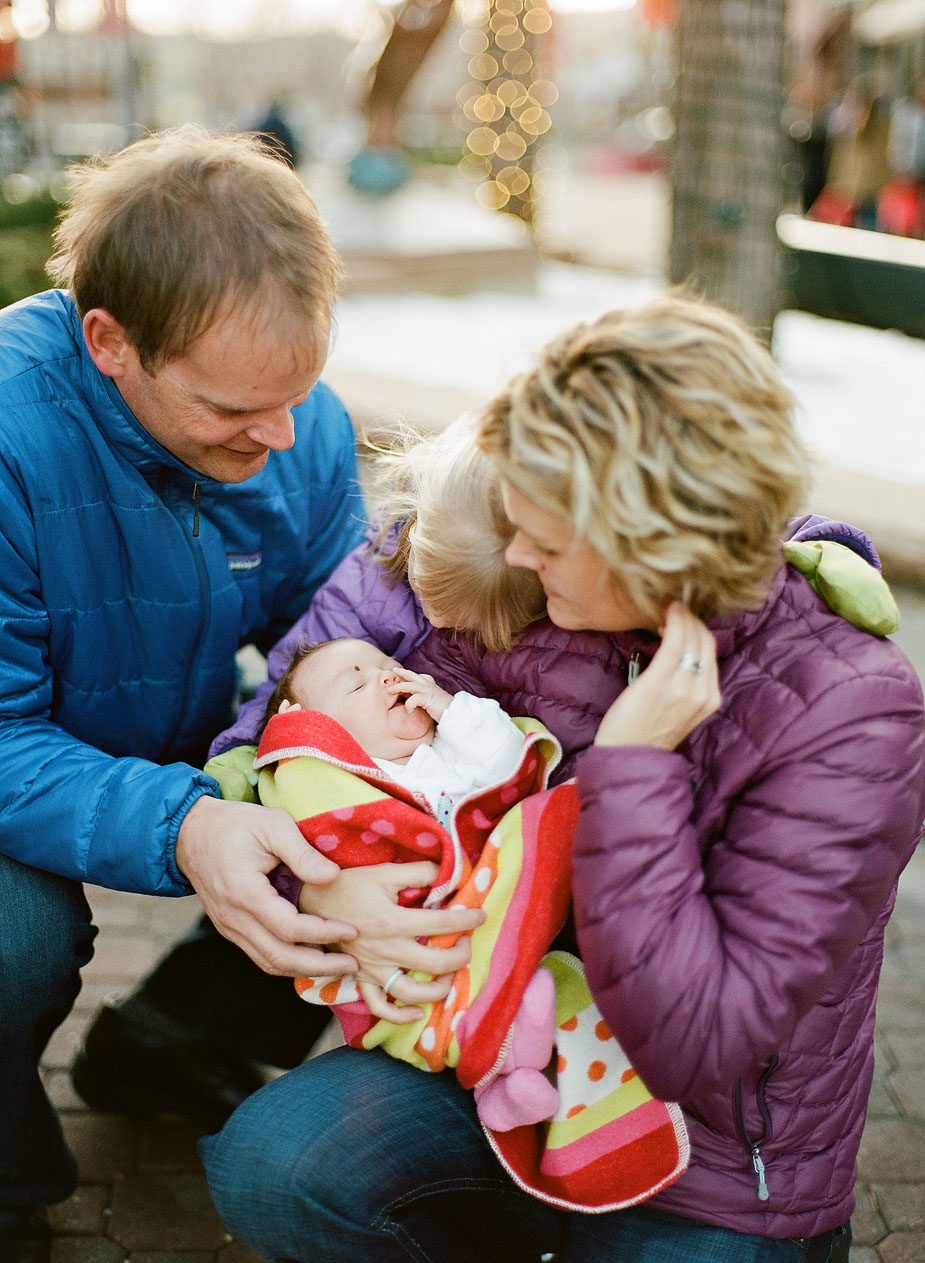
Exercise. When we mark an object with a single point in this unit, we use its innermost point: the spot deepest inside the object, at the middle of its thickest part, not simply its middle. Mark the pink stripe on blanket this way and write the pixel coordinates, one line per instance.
(505, 950)
(612, 1136)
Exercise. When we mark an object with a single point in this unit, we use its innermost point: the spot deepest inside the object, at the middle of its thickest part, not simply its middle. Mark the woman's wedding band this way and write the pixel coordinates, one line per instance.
(391, 981)
(689, 663)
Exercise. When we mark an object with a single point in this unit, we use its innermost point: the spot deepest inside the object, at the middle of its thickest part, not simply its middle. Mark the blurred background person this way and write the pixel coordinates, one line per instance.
(859, 164)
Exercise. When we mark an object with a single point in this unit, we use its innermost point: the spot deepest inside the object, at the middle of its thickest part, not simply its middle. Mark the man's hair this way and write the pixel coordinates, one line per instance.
(443, 499)
(167, 233)
(282, 691)
(664, 436)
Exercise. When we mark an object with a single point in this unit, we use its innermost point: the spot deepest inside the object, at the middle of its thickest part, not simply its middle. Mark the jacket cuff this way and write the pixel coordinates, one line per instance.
(202, 785)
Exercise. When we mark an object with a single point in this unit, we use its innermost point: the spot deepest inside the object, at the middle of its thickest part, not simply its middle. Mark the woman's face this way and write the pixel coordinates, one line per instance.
(581, 592)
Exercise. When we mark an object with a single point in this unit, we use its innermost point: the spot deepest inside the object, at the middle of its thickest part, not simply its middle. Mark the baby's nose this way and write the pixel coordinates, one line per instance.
(387, 677)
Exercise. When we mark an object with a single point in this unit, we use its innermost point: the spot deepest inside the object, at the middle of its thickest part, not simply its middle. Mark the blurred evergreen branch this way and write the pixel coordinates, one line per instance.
(41, 209)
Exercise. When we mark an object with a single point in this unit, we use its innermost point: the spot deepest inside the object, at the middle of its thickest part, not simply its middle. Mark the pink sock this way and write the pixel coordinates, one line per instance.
(520, 1094)
(533, 1030)
(515, 1099)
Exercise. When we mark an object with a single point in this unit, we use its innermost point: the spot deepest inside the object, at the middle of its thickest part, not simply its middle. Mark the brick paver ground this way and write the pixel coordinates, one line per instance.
(142, 1195)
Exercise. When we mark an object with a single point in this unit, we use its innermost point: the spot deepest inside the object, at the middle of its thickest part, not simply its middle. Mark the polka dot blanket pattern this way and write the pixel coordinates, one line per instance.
(610, 1144)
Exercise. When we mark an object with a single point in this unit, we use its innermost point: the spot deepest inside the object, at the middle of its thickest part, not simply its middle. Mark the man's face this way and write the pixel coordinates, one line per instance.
(222, 406)
(348, 680)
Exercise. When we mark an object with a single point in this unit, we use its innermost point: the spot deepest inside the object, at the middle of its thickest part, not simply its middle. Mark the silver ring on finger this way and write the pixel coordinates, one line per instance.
(688, 662)
(391, 981)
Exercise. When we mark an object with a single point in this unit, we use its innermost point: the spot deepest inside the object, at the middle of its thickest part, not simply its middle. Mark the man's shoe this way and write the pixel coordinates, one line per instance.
(141, 1064)
(25, 1236)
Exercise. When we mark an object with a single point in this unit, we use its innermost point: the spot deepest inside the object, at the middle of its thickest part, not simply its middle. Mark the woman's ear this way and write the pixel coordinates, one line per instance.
(108, 343)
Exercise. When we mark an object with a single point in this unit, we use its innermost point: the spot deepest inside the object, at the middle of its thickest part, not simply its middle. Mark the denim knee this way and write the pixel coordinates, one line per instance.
(280, 1165)
(46, 937)
(251, 1166)
(355, 1156)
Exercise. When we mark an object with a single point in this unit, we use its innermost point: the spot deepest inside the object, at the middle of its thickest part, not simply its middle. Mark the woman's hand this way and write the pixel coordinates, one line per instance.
(676, 693)
(387, 934)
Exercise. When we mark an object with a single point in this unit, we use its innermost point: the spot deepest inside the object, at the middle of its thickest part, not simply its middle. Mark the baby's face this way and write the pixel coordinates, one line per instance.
(347, 680)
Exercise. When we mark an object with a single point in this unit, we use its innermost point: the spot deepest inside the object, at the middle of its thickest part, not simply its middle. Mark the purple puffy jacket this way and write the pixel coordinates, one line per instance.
(730, 896)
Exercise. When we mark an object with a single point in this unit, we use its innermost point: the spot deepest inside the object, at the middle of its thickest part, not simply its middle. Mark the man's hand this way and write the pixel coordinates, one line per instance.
(388, 934)
(226, 850)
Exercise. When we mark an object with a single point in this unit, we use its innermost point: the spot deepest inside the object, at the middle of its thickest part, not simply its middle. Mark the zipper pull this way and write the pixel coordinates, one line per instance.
(196, 490)
(632, 671)
(763, 1193)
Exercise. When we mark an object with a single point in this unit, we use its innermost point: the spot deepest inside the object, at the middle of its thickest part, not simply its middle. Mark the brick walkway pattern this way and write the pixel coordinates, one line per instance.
(143, 1194)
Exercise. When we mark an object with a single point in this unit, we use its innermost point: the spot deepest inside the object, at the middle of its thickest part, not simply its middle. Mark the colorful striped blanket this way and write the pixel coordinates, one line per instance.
(507, 849)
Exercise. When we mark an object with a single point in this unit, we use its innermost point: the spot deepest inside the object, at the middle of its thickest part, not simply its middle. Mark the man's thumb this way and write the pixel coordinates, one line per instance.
(307, 863)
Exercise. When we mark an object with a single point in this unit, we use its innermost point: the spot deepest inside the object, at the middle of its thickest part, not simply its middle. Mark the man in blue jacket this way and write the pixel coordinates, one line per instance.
(174, 482)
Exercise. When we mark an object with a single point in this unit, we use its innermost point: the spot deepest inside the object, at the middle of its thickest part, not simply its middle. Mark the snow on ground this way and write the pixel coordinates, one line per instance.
(860, 390)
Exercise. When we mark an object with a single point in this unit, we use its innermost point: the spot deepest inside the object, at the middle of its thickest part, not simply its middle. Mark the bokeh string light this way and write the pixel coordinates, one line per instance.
(505, 103)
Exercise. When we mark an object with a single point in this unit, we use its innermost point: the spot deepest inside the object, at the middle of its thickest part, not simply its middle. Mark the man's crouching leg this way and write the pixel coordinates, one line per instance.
(46, 937)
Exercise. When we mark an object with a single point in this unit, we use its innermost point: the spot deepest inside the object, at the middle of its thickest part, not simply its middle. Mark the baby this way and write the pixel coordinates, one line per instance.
(465, 763)
(426, 740)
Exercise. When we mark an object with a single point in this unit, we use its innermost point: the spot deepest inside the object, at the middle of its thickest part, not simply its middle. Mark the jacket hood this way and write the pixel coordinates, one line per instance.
(812, 527)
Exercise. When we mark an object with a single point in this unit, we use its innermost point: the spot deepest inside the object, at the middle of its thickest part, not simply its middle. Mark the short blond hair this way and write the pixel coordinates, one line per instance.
(441, 498)
(664, 435)
(168, 233)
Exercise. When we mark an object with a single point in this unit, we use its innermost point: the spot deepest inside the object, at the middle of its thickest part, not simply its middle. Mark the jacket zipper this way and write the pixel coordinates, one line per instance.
(164, 490)
(754, 1146)
(634, 667)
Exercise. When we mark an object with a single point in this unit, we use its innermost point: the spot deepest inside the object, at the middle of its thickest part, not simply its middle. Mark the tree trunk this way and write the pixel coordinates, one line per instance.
(729, 155)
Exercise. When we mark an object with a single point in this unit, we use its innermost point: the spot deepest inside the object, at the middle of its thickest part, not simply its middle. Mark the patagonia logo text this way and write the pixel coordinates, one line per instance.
(244, 561)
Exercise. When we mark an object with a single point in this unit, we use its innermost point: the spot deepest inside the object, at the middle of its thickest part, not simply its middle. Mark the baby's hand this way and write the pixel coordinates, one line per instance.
(423, 693)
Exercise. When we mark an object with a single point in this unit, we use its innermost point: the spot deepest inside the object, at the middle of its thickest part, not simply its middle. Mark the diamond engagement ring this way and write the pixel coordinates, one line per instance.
(391, 981)
(689, 663)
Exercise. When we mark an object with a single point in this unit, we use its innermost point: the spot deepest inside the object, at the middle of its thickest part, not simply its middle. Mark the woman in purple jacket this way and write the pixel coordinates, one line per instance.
(751, 789)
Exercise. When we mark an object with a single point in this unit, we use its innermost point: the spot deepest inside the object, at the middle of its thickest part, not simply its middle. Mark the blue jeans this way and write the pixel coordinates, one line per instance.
(45, 938)
(355, 1156)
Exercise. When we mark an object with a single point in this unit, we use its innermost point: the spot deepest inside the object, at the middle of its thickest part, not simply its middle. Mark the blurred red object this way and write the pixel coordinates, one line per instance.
(659, 12)
(833, 207)
(9, 45)
(901, 208)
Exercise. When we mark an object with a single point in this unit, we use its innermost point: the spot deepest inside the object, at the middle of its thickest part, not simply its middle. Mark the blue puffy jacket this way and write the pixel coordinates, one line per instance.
(122, 604)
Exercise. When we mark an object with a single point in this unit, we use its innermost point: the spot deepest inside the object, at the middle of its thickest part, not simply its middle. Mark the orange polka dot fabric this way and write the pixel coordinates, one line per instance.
(610, 1144)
